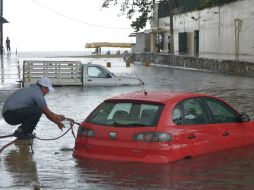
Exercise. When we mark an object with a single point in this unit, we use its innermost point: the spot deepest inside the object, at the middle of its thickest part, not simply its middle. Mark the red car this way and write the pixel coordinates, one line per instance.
(160, 127)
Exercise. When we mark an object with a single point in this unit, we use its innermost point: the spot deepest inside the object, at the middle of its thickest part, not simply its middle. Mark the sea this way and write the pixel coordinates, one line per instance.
(49, 54)
(71, 53)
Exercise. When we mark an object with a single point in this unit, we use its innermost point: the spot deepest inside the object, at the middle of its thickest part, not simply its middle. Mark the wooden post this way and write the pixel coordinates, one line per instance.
(128, 63)
(108, 64)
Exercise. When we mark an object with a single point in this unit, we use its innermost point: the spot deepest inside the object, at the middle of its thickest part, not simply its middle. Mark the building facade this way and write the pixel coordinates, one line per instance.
(223, 29)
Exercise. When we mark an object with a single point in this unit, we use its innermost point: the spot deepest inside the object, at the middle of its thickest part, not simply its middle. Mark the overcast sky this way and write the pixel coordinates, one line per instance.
(59, 25)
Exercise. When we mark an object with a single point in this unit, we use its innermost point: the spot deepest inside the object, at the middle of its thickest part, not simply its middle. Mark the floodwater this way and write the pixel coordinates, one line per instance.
(53, 167)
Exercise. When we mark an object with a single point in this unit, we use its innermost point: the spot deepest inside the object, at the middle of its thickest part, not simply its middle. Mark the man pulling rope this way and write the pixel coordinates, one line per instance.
(25, 106)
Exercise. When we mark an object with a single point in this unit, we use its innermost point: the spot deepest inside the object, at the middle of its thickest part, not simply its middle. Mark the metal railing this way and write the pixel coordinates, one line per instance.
(61, 73)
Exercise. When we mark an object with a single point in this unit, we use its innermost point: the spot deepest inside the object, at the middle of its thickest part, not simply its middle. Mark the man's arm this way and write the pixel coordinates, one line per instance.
(54, 117)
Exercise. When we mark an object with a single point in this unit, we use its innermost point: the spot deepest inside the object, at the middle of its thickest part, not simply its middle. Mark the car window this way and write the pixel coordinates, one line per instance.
(190, 112)
(193, 111)
(148, 113)
(120, 107)
(126, 114)
(221, 112)
(96, 72)
(177, 115)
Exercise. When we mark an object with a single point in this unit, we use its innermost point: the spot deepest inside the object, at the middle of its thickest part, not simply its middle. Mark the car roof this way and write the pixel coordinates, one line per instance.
(156, 96)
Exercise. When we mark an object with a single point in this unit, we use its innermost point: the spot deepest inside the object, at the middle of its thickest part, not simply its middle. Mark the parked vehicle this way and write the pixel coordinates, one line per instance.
(160, 127)
(64, 73)
(97, 75)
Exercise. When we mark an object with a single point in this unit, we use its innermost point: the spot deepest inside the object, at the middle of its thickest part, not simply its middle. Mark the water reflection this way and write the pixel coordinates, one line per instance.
(233, 169)
(2, 69)
(19, 162)
(224, 170)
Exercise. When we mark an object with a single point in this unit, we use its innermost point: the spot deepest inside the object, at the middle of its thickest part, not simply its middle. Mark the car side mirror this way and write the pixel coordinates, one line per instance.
(108, 76)
(243, 117)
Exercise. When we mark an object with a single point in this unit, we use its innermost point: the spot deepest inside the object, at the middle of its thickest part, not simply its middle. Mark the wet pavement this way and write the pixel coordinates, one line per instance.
(9, 71)
(53, 167)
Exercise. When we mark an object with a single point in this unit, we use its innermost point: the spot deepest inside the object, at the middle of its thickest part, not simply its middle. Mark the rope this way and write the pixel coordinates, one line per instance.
(5, 146)
(1, 137)
(72, 122)
(32, 150)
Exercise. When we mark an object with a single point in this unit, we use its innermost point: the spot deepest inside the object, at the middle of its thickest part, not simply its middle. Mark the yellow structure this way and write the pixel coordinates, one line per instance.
(108, 44)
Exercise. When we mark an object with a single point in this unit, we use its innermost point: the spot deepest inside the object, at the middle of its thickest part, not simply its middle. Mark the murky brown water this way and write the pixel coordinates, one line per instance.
(53, 167)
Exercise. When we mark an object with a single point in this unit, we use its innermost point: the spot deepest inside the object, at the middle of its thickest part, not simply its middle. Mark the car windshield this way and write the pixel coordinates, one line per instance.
(126, 114)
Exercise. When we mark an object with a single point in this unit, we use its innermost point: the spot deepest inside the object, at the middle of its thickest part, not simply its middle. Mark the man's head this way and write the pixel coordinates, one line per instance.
(46, 82)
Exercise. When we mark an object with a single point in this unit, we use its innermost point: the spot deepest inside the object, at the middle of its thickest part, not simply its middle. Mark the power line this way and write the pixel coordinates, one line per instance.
(77, 20)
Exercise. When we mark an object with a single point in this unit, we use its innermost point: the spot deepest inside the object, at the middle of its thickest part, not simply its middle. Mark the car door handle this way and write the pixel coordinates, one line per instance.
(192, 136)
(225, 133)
(89, 80)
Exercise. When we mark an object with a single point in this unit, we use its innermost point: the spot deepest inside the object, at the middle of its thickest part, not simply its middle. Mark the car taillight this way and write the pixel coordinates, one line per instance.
(86, 132)
(153, 137)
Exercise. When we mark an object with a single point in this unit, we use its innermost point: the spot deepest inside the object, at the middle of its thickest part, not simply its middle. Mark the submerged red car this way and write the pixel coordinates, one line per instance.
(160, 127)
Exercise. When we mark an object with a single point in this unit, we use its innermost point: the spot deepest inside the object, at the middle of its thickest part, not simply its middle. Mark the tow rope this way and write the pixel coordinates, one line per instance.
(5, 146)
(72, 122)
(1, 137)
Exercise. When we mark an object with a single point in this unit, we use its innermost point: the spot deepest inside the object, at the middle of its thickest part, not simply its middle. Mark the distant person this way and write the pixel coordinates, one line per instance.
(158, 44)
(25, 106)
(8, 45)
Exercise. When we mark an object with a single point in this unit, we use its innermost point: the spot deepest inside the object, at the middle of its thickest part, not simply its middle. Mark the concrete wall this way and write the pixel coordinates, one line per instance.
(144, 42)
(216, 28)
(214, 65)
(140, 42)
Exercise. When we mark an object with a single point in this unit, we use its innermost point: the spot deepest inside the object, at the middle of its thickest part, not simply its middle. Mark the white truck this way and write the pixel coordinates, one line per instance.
(74, 73)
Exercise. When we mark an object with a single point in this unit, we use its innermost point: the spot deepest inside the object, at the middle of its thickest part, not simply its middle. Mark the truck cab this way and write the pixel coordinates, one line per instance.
(98, 75)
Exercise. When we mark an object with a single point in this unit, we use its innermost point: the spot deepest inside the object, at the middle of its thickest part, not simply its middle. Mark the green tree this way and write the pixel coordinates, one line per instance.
(142, 10)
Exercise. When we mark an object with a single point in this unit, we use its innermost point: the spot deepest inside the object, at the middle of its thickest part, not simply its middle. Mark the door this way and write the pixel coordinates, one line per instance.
(182, 42)
(234, 133)
(96, 75)
(193, 128)
(196, 42)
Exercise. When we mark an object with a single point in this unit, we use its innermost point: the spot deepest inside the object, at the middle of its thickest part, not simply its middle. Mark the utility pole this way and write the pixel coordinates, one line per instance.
(1, 28)
(171, 15)
(238, 24)
(2, 21)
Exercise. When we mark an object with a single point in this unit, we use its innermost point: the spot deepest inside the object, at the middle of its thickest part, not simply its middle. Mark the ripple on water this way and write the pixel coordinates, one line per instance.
(52, 165)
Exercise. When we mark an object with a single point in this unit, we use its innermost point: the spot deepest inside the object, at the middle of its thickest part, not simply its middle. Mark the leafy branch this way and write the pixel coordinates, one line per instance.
(142, 10)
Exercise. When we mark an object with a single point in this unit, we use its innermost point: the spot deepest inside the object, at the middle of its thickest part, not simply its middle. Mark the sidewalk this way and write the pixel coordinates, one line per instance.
(10, 75)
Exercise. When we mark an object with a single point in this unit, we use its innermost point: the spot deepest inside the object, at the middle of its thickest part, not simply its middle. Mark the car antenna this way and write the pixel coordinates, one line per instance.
(145, 92)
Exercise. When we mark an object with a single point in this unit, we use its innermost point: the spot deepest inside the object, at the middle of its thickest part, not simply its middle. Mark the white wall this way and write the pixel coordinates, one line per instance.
(216, 28)
(140, 42)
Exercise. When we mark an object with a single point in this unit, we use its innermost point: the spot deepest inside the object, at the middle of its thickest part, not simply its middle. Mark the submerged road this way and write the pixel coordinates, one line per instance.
(52, 165)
